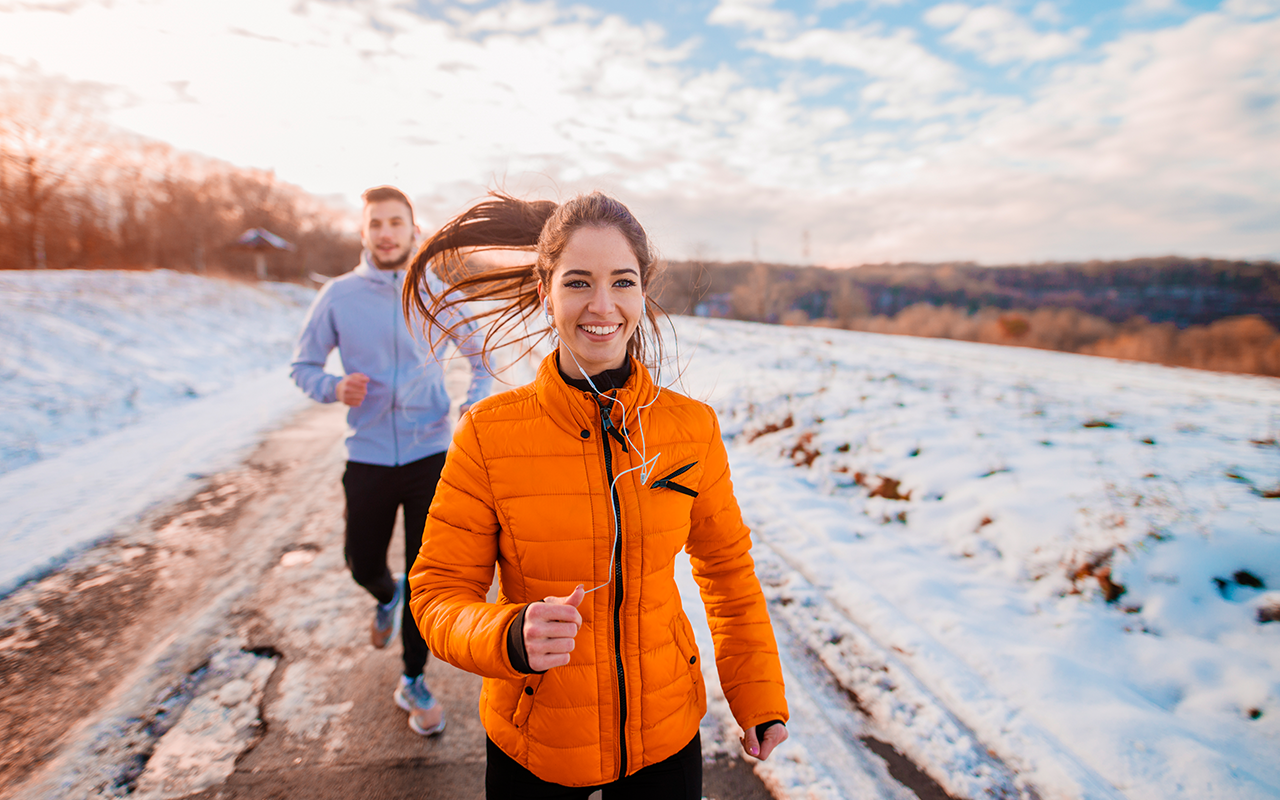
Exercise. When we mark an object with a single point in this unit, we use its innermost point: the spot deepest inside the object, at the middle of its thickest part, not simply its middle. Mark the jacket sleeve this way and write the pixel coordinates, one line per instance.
(454, 569)
(317, 340)
(719, 548)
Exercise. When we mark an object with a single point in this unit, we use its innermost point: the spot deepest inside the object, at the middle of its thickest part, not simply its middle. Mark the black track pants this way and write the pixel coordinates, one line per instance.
(676, 778)
(374, 493)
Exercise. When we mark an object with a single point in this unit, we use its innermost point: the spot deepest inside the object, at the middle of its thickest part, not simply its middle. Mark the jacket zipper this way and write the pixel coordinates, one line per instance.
(395, 369)
(605, 425)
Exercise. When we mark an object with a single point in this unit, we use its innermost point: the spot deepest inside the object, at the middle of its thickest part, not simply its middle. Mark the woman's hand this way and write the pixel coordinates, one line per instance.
(549, 628)
(774, 735)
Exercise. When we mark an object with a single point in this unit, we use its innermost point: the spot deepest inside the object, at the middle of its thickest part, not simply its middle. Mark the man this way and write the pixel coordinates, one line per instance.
(398, 421)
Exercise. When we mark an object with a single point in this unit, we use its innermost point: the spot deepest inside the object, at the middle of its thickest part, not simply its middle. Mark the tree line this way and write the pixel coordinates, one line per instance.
(1203, 313)
(76, 193)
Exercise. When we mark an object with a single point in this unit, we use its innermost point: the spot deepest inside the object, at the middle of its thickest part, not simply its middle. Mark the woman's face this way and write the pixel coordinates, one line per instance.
(596, 300)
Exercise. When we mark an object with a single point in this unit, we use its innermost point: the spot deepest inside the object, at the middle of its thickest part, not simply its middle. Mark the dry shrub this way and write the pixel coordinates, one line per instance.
(794, 316)
(772, 427)
(1269, 611)
(1246, 344)
(804, 453)
(1014, 326)
(888, 489)
(1098, 566)
(1236, 344)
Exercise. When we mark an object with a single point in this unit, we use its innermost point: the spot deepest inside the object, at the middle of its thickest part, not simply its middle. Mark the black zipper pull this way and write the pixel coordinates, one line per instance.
(612, 430)
(668, 483)
(606, 422)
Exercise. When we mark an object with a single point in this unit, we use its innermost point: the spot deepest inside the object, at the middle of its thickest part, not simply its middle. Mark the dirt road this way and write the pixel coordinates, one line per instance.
(219, 649)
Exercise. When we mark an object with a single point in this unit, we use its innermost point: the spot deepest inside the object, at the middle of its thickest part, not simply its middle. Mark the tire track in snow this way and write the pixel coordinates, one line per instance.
(920, 697)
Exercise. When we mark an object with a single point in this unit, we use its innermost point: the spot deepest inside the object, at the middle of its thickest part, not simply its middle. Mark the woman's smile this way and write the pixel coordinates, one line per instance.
(596, 300)
(601, 330)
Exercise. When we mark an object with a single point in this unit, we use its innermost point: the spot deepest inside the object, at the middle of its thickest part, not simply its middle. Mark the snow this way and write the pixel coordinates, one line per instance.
(980, 593)
(121, 390)
(1057, 588)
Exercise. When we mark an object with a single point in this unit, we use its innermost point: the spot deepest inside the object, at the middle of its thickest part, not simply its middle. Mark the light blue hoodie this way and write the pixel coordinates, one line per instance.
(405, 415)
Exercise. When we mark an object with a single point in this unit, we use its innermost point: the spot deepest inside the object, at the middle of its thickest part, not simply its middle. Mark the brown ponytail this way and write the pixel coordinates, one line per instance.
(507, 296)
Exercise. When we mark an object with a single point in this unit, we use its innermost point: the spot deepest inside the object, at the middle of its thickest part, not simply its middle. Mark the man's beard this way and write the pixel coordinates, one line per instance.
(395, 263)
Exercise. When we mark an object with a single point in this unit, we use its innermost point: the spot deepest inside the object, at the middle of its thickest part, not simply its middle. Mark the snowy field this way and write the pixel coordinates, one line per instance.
(1065, 558)
(1035, 574)
(121, 389)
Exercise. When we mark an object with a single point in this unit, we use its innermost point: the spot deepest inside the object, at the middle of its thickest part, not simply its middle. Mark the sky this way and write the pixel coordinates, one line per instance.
(836, 132)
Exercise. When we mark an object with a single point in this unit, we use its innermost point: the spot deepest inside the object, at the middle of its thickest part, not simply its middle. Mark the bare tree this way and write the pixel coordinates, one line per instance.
(49, 131)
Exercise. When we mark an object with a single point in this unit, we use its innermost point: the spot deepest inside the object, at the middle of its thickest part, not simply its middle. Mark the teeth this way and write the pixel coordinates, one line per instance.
(601, 330)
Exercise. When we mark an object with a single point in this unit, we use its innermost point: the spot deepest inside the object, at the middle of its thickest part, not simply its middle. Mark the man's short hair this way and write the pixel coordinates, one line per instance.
(379, 193)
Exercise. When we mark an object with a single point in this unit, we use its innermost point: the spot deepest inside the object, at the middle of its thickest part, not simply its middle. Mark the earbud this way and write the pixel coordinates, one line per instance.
(546, 312)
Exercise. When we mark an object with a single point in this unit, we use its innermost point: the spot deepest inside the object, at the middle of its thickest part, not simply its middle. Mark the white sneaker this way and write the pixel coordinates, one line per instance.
(426, 716)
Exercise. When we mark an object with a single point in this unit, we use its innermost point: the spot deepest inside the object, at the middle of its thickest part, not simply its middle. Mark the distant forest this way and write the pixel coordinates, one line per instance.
(1203, 313)
(75, 193)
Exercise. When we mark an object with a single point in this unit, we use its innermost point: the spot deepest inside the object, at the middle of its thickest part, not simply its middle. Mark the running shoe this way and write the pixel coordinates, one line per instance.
(386, 618)
(426, 716)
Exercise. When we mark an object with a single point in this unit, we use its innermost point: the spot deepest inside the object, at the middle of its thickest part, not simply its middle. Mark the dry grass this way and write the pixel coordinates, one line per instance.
(1236, 344)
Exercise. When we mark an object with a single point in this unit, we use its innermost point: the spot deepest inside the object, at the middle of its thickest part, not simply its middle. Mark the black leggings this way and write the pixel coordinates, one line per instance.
(374, 493)
(676, 778)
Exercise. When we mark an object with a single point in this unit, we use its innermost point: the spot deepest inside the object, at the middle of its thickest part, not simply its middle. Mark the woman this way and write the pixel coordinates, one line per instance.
(581, 488)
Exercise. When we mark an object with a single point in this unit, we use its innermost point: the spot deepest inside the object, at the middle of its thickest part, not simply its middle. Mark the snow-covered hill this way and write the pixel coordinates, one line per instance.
(89, 352)
(1068, 559)
(122, 388)
(1027, 571)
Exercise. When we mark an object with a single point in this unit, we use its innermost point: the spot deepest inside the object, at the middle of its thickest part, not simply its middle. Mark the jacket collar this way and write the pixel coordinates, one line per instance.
(575, 411)
(366, 269)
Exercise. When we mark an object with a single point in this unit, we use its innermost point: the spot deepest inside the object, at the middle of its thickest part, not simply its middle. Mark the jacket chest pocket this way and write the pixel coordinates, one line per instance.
(672, 493)
(524, 704)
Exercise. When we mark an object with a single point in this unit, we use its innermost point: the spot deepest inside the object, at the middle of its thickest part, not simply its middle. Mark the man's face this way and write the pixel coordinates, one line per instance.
(388, 233)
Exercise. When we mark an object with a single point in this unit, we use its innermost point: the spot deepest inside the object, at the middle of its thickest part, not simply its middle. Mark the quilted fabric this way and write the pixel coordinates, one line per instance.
(525, 489)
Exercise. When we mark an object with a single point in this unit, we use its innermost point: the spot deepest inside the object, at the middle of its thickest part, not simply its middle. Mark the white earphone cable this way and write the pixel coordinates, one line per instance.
(646, 464)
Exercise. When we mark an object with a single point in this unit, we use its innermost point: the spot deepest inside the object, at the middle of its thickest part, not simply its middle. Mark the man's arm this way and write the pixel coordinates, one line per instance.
(470, 341)
(317, 340)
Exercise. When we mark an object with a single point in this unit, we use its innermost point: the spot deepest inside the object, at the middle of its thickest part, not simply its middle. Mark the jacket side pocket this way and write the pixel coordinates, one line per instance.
(688, 647)
(524, 705)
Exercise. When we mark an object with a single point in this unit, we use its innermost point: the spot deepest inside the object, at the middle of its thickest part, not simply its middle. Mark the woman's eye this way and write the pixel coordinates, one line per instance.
(624, 283)
(575, 284)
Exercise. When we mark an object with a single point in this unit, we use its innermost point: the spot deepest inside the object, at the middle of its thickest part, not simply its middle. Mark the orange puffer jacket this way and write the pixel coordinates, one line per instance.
(526, 487)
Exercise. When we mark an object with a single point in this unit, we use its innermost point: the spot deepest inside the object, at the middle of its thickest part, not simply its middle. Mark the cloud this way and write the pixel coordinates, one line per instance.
(826, 4)
(1154, 7)
(999, 36)
(753, 15)
(1161, 141)
(905, 78)
(1251, 8)
(1047, 12)
(896, 58)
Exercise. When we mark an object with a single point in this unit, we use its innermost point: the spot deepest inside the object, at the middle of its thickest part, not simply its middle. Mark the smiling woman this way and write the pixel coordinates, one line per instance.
(607, 264)
(595, 300)
(591, 478)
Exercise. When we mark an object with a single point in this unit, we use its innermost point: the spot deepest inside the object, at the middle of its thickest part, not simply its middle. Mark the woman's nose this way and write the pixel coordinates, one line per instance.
(601, 301)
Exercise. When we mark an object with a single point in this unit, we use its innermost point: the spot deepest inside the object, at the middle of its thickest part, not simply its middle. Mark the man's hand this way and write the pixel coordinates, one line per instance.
(549, 628)
(774, 735)
(353, 388)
